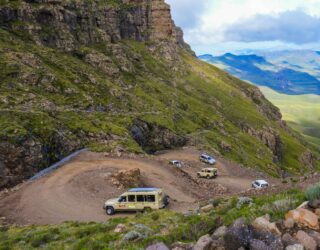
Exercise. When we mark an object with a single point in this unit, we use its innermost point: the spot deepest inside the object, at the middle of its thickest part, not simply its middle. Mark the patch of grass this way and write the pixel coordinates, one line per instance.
(274, 205)
(313, 192)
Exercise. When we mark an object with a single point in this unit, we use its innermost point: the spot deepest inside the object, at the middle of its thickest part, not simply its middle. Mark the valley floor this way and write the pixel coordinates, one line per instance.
(302, 112)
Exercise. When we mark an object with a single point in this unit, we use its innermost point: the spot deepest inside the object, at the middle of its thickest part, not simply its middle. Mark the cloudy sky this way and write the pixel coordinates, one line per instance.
(219, 26)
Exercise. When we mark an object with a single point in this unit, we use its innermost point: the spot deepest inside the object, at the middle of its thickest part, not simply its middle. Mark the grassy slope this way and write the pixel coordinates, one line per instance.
(301, 112)
(192, 100)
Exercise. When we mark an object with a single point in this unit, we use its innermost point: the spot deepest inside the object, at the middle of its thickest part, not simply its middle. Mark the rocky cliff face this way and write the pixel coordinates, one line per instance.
(69, 24)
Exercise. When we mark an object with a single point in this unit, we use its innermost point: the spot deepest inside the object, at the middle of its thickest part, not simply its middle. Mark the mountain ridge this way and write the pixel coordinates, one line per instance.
(286, 79)
(117, 76)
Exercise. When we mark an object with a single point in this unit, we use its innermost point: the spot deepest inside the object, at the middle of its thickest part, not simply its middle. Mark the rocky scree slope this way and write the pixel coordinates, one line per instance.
(116, 75)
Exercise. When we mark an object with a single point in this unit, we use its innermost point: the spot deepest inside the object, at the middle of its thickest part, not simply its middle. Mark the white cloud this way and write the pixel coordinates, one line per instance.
(214, 17)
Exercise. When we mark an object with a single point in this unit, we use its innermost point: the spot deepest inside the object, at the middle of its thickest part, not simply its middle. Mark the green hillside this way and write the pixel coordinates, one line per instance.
(140, 92)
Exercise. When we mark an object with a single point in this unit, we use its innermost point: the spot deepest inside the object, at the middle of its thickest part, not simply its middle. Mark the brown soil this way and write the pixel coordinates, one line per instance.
(77, 191)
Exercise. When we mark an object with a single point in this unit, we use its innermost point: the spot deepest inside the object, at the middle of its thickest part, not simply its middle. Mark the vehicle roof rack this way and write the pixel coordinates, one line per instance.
(143, 189)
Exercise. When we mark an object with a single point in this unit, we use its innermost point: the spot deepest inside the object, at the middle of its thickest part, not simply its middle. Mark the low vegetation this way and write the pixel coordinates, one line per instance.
(313, 192)
(165, 226)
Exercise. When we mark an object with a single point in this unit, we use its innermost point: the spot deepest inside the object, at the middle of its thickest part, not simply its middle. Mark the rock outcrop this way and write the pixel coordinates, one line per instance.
(69, 24)
(154, 138)
(127, 178)
(270, 138)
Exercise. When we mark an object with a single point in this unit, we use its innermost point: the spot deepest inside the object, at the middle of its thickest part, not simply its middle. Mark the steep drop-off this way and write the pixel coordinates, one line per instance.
(116, 75)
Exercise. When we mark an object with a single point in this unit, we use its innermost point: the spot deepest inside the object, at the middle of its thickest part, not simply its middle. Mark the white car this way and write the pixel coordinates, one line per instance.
(176, 163)
(260, 184)
(207, 159)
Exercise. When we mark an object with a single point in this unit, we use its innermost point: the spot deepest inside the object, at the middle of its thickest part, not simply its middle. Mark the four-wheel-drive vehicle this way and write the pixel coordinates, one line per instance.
(260, 184)
(176, 163)
(208, 173)
(207, 159)
(138, 199)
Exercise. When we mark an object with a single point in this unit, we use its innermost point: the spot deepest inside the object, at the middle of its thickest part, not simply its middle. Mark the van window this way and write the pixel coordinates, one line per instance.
(131, 198)
(123, 199)
(140, 198)
(150, 198)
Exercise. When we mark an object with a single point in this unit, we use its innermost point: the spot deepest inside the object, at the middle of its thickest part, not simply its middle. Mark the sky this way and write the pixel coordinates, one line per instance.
(242, 26)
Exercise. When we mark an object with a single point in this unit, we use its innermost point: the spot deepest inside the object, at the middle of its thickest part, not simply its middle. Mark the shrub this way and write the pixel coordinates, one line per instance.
(155, 216)
(313, 192)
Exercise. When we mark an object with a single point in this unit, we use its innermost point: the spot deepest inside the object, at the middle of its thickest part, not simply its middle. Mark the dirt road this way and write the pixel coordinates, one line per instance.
(77, 191)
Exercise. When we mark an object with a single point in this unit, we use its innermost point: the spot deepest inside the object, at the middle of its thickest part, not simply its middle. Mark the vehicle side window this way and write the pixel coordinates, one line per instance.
(123, 199)
(140, 198)
(150, 198)
(131, 198)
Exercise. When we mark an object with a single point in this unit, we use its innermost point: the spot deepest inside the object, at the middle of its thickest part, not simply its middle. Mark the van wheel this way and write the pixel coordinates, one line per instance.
(166, 200)
(208, 177)
(110, 210)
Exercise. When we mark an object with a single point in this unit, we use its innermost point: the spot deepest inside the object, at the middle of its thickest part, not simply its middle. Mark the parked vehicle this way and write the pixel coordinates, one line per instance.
(176, 163)
(138, 199)
(207, 159)
(260, 184)
(208, 173)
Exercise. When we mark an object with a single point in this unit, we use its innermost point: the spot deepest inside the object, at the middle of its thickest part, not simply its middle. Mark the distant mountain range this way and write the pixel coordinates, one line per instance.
(287, 72)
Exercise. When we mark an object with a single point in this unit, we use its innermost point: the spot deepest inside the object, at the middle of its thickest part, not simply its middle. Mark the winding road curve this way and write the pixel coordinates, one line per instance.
(77, 190)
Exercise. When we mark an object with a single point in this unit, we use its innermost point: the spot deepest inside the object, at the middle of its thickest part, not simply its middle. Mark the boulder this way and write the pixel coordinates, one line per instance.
(217, 245)
(316, 236)
(263, 224)
(120, 228)
(307, 241)
(204, 243)
(289, 223)
(258, 245)
(304, 217)
(288, 240)
(132, 235)
(238, 235)
(314, 204)
(207, 208)
(220, 232)
(295, 247)
(143, 230)
(157, 246)
(127, 178)
(243, 201)
(273, 241)
(317, 211)
(182, 246)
